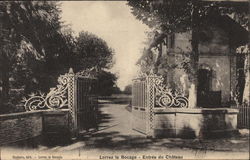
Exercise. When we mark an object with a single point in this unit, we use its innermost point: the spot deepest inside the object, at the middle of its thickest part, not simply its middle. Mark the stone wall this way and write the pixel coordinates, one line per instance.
(195, 123)
(26, 125)
(56, 127)
(214, 41)
(20, 126)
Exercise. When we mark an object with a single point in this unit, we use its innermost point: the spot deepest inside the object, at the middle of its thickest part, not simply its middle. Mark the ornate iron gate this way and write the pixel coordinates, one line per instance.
(139, 91)
(75, 92)
(86, 104)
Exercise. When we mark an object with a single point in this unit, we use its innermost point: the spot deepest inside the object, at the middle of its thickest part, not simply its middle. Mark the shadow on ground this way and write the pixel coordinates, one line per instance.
(110, 139)
(114, 140)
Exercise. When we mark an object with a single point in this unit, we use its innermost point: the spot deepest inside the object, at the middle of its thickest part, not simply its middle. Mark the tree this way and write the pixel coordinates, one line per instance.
(93, 51)
(246, 91)
(168, 16)
(59, 57)
(116, 90)
(33, 28)
(106, 83)
(243, 95)
(244, 53)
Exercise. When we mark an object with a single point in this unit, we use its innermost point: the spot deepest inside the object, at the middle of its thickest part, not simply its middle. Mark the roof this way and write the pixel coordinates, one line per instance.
(237, 34)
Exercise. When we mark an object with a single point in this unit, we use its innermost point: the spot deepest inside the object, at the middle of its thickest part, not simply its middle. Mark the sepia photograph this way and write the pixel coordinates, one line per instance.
(124, 79)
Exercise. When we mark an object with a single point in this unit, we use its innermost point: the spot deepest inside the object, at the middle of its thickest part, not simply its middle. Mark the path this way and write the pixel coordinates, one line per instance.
(115, 118)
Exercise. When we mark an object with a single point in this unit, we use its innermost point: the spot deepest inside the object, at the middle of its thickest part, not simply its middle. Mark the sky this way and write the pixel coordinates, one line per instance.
(113, 22)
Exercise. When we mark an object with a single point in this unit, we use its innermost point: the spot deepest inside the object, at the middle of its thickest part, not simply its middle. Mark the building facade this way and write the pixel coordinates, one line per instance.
(216, 76)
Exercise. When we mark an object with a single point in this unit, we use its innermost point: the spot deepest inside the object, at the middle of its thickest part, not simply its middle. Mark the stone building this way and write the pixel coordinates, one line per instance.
(219, 36)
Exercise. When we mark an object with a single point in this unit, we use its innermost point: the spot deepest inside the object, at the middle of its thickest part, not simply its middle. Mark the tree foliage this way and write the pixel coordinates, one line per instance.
(23, 20)
(106, 83)
(28, 27)
(93, 51)
(177, 15)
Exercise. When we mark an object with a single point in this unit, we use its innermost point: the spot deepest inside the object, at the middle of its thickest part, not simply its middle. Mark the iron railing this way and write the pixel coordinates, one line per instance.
(139, 91)
(243, 116)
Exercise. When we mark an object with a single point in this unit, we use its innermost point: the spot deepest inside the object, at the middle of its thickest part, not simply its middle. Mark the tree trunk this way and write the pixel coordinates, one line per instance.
(246, 94)
(194, 58)
(193, 79)
(158, 59)
(5, 83)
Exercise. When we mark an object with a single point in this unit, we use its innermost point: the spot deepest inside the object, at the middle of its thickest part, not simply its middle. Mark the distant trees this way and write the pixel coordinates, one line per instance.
(106, 83)
(128, 89)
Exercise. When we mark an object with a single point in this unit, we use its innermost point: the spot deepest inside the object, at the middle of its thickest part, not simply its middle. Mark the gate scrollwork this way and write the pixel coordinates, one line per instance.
(166, 97)
(55, 99)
